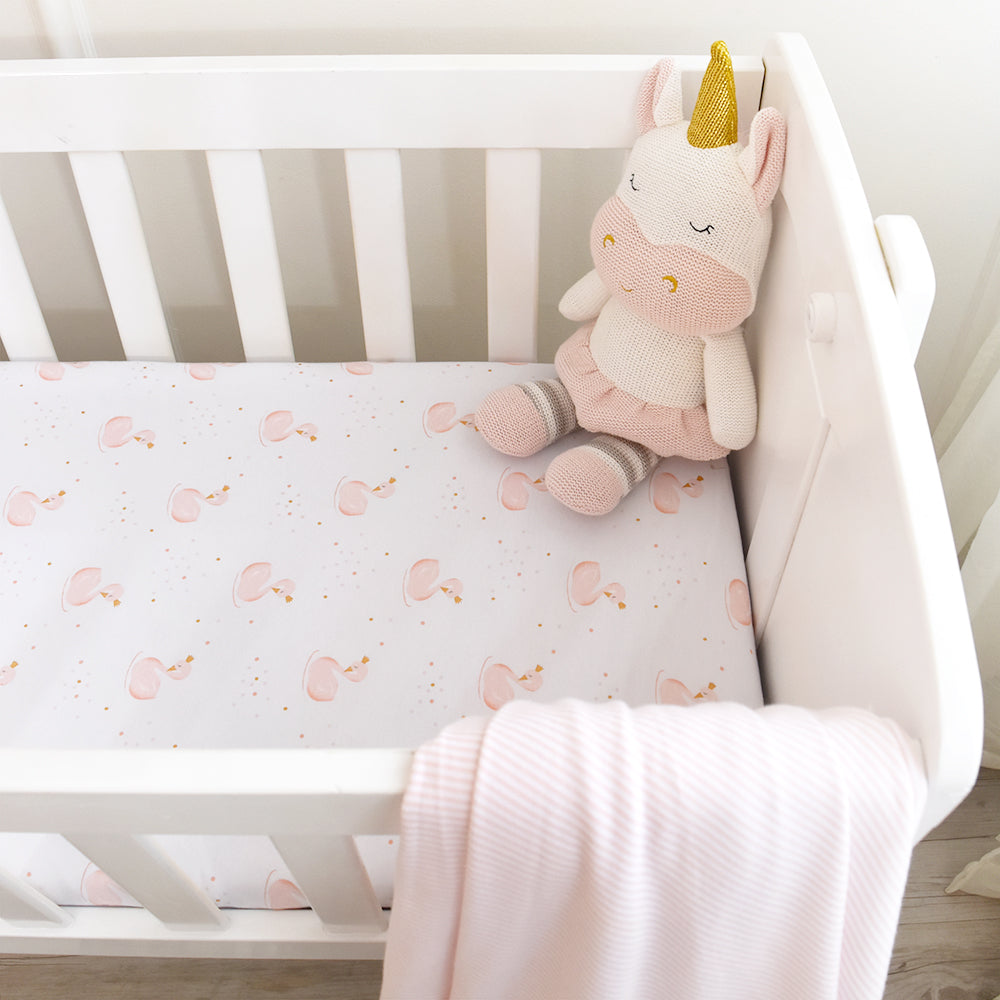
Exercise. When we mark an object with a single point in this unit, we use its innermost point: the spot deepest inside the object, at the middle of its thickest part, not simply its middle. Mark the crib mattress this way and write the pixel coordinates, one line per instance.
(278, 555)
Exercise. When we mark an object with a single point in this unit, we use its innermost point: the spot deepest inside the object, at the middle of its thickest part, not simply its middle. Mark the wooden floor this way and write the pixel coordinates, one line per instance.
(67, 978)
(947, 948)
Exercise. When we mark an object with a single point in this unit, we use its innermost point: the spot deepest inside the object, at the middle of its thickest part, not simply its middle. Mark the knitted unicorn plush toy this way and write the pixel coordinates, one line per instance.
(659, 367)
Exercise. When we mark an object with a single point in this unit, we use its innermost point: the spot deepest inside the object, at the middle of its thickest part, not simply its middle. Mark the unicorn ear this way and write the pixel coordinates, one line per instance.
(659, 97)
(764, 157)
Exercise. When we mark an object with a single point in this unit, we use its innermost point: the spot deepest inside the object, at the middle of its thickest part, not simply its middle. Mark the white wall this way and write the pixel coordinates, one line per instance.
(914, 83)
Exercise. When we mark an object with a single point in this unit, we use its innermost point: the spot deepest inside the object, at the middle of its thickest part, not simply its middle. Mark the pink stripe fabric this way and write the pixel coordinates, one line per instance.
(593, 851)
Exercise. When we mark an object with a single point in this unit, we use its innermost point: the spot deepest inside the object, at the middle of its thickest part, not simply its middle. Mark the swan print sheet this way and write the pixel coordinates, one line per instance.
(328, 555)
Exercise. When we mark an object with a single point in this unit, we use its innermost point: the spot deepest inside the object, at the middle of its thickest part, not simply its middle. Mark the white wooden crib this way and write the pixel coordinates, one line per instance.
(855, 586)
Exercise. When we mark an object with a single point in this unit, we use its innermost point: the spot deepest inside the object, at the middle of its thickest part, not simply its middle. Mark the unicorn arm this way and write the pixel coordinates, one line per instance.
(585, 299)
(730, 396)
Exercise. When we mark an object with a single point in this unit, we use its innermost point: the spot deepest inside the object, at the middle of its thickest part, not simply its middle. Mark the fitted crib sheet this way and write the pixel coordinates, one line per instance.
(317, 555)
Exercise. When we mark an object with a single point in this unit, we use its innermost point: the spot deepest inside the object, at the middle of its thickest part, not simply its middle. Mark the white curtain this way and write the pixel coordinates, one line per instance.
(967, 440)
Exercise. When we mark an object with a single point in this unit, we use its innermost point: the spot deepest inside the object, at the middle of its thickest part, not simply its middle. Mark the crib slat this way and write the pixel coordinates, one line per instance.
(23, 331)
(108, 199)
(140, 866)
(513, 205)
(22, 904)
(375, 190)
(239, 185)
(330, 872)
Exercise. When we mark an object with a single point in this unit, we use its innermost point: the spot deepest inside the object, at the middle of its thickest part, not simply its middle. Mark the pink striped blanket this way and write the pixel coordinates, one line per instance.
(597, 851)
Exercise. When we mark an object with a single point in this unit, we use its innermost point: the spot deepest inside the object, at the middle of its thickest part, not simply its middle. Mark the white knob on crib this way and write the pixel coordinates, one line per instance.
(821, 317)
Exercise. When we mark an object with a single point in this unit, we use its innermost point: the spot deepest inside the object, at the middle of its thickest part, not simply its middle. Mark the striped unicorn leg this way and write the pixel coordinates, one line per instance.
(594, 477)
(521, 419)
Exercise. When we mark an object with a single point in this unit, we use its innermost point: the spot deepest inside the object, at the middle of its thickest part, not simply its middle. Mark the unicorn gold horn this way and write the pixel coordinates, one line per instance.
(714, 121)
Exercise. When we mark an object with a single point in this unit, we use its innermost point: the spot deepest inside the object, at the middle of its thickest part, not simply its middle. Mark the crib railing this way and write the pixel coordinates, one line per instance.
(110, 804)
(232, 109)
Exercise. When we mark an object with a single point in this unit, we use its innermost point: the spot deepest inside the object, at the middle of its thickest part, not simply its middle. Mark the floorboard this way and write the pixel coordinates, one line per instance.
(73, 978)
(948, 946)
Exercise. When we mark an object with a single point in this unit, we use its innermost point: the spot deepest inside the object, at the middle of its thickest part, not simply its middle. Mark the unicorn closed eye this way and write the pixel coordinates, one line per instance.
(659, 367)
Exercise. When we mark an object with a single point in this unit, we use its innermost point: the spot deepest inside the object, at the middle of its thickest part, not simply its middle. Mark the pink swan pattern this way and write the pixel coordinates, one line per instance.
(280, 425)
(185, 503)
(204, 372)
(439, 418)
(99, 889)
(53, 371)
(254, 582)
(283, 894)
(665, 491)
(359, 367)
(738, 604)
(422, 582)
(497, 683)
(118, 431)
(351, 496)
(514, 490)
(584, 587)
(319, 680)
(670, 691)
(7, 673)
(22, 505)
(85, 586)
(142, 679)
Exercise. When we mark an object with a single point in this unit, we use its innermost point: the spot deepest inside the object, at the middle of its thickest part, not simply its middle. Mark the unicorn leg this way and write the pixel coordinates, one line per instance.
(594, 477)
(522, 419)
